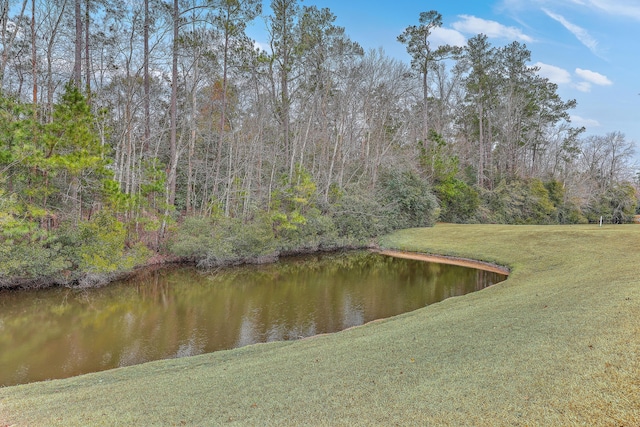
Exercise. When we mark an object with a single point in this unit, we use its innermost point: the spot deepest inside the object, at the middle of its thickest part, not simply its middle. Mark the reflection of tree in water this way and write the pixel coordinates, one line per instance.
(181, 312)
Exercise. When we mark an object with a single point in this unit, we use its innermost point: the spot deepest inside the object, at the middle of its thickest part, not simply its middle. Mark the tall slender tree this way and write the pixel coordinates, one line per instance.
(480, 98)
(283, 46)
(77, 65)
(424, 56)
(231, 20)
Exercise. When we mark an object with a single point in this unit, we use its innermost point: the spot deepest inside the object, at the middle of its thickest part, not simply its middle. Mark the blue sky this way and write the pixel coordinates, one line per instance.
(590, 48)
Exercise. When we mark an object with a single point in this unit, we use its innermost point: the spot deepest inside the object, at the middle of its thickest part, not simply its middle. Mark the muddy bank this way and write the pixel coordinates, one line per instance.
(463, 262)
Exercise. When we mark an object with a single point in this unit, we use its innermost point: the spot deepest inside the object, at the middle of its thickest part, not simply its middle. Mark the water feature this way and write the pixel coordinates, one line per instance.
(58, 333)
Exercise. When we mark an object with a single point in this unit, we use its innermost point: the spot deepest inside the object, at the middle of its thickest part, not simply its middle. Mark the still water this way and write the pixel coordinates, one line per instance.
(58, 333)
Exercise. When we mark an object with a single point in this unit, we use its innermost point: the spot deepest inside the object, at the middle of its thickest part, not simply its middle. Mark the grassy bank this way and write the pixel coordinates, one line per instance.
(558, 343)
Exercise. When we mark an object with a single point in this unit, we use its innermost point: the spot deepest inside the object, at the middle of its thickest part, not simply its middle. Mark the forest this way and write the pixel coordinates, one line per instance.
(157, 129)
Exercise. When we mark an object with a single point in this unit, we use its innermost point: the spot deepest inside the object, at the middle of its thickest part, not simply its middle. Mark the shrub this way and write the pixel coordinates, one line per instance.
(211, 242)
(194, 239)
(408, 200)
(519, 202)
(458, 200)
(27, 251)
(616, 205)
(102, 246)
(358, 217)
(317, 231)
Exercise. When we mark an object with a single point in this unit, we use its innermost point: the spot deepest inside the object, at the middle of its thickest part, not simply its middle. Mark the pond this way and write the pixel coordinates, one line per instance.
(168, 313)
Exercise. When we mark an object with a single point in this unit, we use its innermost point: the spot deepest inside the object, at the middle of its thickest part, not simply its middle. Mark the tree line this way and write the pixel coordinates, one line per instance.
(169, 130)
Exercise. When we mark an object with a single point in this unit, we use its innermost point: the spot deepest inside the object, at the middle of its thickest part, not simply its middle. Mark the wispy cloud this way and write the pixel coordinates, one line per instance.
(593, 77)
(583, 86)
(473, 25)
(581, 121)
(624, 8)
(627, 8)
(580, 33)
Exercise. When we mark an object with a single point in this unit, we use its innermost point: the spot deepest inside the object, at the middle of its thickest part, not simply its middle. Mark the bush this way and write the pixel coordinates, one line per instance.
(567, 211)
(458, 200)
(407, 200)
(358, 217)
(102, 246)
(519, 202)
(248, 240)
(315, 232)
(33, 260)
(27, 251)
(528, 202)
(194, 239)
(617, 205)
(211, 242)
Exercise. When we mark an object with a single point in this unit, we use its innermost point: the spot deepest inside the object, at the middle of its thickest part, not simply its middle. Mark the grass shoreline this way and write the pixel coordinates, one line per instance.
(558, 343)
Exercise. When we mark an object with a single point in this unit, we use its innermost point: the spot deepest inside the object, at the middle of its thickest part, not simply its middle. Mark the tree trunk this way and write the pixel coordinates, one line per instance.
(147, 109)
(87, 62)
(480, 179)
(425, 106)
(173, 152)
(34, 60)
(77, 66)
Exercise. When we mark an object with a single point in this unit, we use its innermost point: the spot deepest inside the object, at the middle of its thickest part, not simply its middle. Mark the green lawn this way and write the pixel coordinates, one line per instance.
(557, 344)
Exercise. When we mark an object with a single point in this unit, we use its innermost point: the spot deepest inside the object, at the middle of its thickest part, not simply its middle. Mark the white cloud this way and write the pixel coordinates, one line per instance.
(583, 86)
(441, 36)
(580, 121)
(555, 74)
(561, 76)
(593, 77)
(473, 25)
(580, 33)
(628, 8)
(262, 46)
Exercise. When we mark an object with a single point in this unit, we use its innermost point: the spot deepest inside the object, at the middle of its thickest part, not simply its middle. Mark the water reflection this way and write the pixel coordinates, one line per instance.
(182, 312)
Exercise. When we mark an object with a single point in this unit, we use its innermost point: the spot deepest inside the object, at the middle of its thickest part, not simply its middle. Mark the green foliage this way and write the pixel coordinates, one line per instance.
(538, 206)
(194, 238)
(53, 166)
(528, 202)
(71, 143)
(317, 231)
(358, 216)
(33, 260)
(27, 251)
(458, 200)
(617, 205)
(436, 160)
(102, 246)
(211, 241)
(504, 204)
(567, 211)
(250, 239)
(292, 200)
(407, 200)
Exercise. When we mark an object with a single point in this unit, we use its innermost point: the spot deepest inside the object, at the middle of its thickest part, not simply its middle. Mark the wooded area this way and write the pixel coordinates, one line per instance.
(167, 130)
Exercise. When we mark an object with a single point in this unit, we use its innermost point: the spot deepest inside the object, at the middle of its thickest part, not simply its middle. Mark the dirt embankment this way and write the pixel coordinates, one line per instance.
(464, 262)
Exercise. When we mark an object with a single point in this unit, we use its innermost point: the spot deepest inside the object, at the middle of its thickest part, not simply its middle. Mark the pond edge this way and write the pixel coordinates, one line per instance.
(443, 259)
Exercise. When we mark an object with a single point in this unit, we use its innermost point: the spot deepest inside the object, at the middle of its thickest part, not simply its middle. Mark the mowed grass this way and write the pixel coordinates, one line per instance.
(558, 343)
